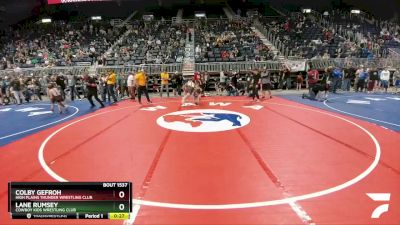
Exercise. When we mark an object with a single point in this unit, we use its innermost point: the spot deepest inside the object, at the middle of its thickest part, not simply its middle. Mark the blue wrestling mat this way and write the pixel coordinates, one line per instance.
(18, 121)
(381, 109)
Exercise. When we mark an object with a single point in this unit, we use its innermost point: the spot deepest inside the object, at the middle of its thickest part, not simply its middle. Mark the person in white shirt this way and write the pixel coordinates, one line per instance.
(198, 51)
(326, 55)
(131, 85)
(222, 77)
(221, 83)
(385, 76)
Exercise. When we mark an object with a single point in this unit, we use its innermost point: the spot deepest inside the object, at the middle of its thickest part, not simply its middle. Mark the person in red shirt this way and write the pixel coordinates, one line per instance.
(313, 78)
(196, 76)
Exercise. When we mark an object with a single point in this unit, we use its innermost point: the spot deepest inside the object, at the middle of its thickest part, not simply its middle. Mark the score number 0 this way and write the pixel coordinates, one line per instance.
(121, 206)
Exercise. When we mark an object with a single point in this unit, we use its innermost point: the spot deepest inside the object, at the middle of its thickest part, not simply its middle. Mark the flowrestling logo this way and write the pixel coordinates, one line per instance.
(203, 120)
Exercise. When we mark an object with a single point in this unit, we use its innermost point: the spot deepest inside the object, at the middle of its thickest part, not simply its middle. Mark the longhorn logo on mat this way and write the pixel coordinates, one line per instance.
(203, 120)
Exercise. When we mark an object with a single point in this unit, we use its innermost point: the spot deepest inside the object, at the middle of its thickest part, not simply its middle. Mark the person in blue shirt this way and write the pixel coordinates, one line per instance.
(370, 55)
(361, 80)
(337, 75)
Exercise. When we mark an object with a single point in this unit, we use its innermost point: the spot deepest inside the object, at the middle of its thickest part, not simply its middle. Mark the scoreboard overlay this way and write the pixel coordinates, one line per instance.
(70, 200)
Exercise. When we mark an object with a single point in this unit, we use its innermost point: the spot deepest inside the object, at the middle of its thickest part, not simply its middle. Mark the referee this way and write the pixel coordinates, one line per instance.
(141, 84)
(256, 83)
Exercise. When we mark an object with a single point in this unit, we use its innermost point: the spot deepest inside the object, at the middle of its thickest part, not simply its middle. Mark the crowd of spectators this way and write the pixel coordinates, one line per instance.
(228, 41)
(372, 37)
(336, 34)
(150, 42)
(57, 44)
(305, 38)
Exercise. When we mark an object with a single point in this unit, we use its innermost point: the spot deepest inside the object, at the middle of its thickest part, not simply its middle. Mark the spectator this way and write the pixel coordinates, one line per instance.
(396, 80)
(198, 51)
(299, 81)
(349, 74)
(384, 77)
(4, 86)
(373, 80)
(37, 87)
(16, 89)
(286, 75)
(179, 82)
(131, 85)
(357, 76)
(337, 75)
(123, 86)
(363, 76)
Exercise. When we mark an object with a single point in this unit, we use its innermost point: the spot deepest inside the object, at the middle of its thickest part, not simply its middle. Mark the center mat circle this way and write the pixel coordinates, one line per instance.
(203, 120)
(287, 200)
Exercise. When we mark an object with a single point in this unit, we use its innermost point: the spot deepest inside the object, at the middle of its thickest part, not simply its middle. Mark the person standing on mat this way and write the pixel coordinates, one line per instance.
(322, 90)
(286, 74)
(357, 75)
(256, 84)
(55, 96)
(91, 88)
(164, 83)
(72, 87)
(266, 84)
(337, 76)
(373, 80)
(60, 81)
(16, 90)
(385, 76)
(111, 81)
(141, 85)
(197, 93)
(299, 81)
(363, 76)
(188, 90)
(396, 80)
(131, 85)
(103, 88)
(178, 82)
(313, 89)
(349, 74)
